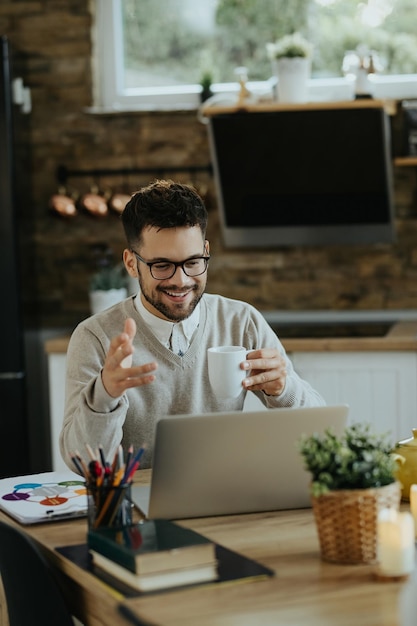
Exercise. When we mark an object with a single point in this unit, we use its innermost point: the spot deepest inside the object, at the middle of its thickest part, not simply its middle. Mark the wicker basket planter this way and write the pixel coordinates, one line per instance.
(346, 522)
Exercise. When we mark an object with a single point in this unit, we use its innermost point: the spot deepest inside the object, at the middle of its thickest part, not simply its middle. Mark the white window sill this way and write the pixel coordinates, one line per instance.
(398, 87)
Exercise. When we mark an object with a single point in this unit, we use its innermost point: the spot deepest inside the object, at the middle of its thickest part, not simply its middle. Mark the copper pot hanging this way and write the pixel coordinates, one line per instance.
(94, 203)
(63, 204)
(118, 202)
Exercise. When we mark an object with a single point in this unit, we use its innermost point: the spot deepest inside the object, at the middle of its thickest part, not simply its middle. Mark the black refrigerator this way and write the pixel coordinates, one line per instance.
(14, 187)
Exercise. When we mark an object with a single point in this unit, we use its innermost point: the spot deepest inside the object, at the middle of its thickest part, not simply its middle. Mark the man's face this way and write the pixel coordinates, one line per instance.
(173, 298)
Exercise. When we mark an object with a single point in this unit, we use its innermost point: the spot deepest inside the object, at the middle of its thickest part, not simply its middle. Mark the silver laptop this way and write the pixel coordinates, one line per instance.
(236, 462)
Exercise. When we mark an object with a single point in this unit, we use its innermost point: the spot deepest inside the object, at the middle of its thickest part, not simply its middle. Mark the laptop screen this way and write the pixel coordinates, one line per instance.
(234, 462)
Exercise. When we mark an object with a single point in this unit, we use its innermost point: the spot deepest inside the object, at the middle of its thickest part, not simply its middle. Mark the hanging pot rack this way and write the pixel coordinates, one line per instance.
(63, 173)
(96, 204)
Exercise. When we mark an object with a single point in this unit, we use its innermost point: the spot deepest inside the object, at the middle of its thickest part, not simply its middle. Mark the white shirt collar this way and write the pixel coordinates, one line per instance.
(162, 329)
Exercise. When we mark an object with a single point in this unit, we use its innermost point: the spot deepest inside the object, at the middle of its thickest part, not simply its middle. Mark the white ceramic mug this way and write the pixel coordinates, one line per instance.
(225, 373)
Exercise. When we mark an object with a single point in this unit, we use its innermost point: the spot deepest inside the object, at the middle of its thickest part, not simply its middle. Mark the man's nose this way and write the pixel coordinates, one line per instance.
(179, 275)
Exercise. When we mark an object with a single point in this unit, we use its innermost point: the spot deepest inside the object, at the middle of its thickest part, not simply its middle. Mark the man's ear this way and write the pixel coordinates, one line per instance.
(130, 262)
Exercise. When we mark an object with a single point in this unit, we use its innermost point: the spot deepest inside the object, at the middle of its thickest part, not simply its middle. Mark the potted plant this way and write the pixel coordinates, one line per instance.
(108, 284)
(206, 81)
(207, 73)
(353, 478)
(290, 46)
(291, 63)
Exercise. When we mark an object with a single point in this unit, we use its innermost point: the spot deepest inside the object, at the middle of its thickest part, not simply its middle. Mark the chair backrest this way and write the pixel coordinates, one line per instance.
(32, 593)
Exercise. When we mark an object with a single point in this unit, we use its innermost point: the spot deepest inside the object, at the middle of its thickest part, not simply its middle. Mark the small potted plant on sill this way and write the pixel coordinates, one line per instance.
(108, 284)
(353, 478)
(206, 82)
(291, 63)
(207, 72)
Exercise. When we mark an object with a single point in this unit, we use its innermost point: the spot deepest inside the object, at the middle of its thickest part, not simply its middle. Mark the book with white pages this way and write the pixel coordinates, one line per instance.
(159, 580)
(232, 462)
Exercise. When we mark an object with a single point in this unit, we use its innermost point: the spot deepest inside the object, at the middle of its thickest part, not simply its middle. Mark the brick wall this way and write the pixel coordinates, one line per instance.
(52, 39)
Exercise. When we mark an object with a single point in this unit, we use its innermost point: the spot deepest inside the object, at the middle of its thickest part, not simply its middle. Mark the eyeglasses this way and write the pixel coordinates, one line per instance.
(162, 270)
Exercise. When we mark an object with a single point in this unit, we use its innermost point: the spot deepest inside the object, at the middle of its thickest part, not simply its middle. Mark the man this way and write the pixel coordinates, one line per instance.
(147, 356)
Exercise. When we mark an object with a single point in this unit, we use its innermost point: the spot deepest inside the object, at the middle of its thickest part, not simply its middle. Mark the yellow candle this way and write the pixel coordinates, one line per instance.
(395, 543)
(413, 505)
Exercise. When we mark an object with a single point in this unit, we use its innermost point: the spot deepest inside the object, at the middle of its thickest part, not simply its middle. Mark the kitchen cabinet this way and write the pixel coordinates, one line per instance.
(376, 376)
(380, 387)
(405, 161)
(56, 379)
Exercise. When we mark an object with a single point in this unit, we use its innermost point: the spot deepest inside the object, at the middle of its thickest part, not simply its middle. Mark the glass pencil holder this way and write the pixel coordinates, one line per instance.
(109, 506)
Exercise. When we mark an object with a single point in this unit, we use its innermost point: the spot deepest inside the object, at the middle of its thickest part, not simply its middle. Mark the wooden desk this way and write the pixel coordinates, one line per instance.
(304, 591)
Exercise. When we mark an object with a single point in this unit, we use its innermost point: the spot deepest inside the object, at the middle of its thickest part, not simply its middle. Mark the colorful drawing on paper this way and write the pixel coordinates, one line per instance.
(47, 494)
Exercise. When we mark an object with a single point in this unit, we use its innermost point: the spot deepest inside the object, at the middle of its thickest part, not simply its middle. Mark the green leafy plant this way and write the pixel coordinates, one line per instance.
(289, 46)
(112, 277)
(108, 274)
(358, 459)
(206, 80)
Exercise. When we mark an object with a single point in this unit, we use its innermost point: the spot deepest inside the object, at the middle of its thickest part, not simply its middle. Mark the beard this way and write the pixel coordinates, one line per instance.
(172, 312)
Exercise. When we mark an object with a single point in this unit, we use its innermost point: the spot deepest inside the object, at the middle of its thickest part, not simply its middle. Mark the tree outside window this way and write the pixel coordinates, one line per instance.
(173, 42)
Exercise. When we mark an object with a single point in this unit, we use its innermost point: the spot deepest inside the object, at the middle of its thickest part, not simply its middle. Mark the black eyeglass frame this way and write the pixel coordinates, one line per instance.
(176, 264)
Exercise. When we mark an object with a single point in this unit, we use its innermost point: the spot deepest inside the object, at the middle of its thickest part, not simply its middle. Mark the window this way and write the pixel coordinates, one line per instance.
(154, 53)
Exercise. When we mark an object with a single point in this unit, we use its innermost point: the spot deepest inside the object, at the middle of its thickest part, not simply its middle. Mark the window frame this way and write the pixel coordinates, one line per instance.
(109, 94)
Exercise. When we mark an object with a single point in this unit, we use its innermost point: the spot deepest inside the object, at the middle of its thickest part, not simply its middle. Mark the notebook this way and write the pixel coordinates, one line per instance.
(234, 462)
(45, 497)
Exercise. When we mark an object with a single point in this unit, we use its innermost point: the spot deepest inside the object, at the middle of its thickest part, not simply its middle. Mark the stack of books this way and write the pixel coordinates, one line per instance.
(153, 554)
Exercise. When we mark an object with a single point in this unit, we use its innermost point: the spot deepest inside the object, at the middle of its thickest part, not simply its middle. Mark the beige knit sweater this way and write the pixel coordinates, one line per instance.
(181, 385)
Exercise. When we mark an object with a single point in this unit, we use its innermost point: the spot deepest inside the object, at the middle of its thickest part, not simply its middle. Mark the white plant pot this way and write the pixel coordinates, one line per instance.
(293, 75)
(101, 300)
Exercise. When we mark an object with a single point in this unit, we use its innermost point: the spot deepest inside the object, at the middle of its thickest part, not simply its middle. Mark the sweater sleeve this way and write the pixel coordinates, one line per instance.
(91, 415)
(297, 392)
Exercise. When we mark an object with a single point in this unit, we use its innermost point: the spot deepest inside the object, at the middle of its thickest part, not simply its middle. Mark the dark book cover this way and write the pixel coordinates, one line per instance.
(152, 546)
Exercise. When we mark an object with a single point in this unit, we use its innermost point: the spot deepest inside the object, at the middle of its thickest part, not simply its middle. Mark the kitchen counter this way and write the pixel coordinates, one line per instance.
(400, 336)
(57, 345)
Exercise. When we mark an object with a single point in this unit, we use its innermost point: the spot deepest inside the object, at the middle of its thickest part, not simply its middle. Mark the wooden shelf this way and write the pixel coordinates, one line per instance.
(272, 106)
(407, 161)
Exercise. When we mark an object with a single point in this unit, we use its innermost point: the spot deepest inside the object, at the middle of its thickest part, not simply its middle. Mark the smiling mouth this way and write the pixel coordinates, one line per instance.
(172, 293)
(180, 295)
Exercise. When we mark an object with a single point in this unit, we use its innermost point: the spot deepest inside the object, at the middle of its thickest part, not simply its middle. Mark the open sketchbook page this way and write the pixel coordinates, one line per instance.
(44, 497)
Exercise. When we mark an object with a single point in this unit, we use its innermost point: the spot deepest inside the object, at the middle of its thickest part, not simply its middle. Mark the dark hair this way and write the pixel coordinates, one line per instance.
(163, 204)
